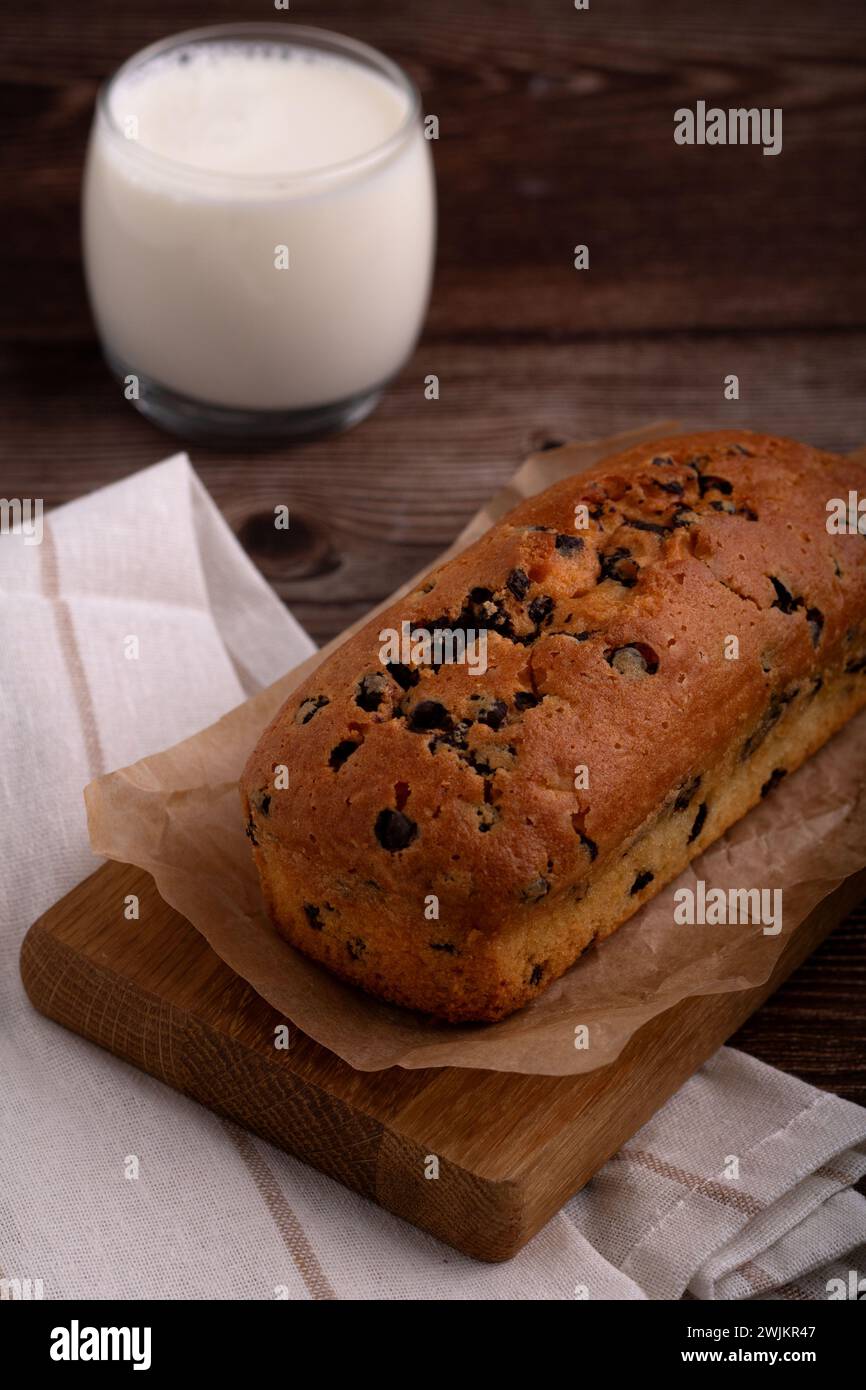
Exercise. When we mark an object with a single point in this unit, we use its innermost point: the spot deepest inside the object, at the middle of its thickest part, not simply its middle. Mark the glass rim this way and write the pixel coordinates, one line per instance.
(304, 35)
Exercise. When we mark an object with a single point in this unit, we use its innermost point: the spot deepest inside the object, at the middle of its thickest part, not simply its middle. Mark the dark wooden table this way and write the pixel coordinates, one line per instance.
(556, 128)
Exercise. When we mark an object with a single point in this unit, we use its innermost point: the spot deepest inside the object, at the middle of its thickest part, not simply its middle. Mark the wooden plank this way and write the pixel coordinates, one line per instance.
(370, 508)
(556, 128)
(511, 1149)
(815, 1026)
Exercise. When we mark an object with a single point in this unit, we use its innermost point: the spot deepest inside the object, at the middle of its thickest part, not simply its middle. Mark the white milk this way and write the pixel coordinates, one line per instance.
(207, 158)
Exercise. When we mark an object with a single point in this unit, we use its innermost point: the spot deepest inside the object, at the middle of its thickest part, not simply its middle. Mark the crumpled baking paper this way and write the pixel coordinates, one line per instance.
(177, 815)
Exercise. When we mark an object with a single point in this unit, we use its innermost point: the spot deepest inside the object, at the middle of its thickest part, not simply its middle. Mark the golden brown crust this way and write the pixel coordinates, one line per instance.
(606, 648)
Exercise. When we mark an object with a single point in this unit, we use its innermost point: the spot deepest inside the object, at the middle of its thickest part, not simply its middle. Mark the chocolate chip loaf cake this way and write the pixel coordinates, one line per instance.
(647, 650)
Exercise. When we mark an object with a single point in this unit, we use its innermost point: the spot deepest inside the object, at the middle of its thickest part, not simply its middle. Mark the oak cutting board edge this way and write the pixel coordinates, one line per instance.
(509, 1149)
(487, 1219)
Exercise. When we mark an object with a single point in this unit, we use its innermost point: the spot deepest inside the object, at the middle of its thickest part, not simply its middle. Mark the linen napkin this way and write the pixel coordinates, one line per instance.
(135, 621)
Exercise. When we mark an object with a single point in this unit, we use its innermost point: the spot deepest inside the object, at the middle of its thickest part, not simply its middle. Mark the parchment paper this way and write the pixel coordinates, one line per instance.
(177, 815)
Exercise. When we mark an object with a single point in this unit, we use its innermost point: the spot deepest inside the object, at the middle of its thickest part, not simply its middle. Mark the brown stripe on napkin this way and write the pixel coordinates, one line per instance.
(291, 1231)
(836, 1175)
(794, 1293)
(761, 1282)
(720, 1192)
(757, 1278)
(71, 654)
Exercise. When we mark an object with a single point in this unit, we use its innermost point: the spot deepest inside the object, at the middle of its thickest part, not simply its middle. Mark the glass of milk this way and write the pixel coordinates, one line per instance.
(259, 229)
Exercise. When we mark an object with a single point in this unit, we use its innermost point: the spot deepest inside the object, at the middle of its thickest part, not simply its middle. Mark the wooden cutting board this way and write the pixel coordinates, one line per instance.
(511, 1149)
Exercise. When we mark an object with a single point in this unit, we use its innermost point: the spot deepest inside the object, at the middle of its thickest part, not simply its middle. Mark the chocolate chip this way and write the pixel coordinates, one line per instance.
(535, 891)
(500, 621)
(477, 763)
(427, 715)
(856, 666)
(771, 717)
(356, 946)
(817, 684)
(370, 692)
(815, 619)
(524, 699)
(570, 545)
(662, 461)
(540, 608)
(457, 735)
(494, 715)
(784, 599)
(487, 817)
(309, 707)
(314, 916)
(698, 825)
(725, 506)
(394, 830)
(518, 584)
(250, 831)
(643, 878)
(637, 660)
(481, 610)
(685, 794)
(773, 780)
(447, 946)
(675, 488)
(637, 524)
(619, 566)
(342, 752)
(588, 845)
(405, 676)
(684, 516)
(708, 483)
(537, 972)
(262, 802)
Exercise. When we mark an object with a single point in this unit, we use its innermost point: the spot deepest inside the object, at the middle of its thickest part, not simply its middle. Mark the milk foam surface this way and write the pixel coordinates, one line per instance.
(257, 108)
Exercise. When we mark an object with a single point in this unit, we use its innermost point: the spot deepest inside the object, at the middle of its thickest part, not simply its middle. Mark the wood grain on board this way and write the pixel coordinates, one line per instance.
(511, 1149)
